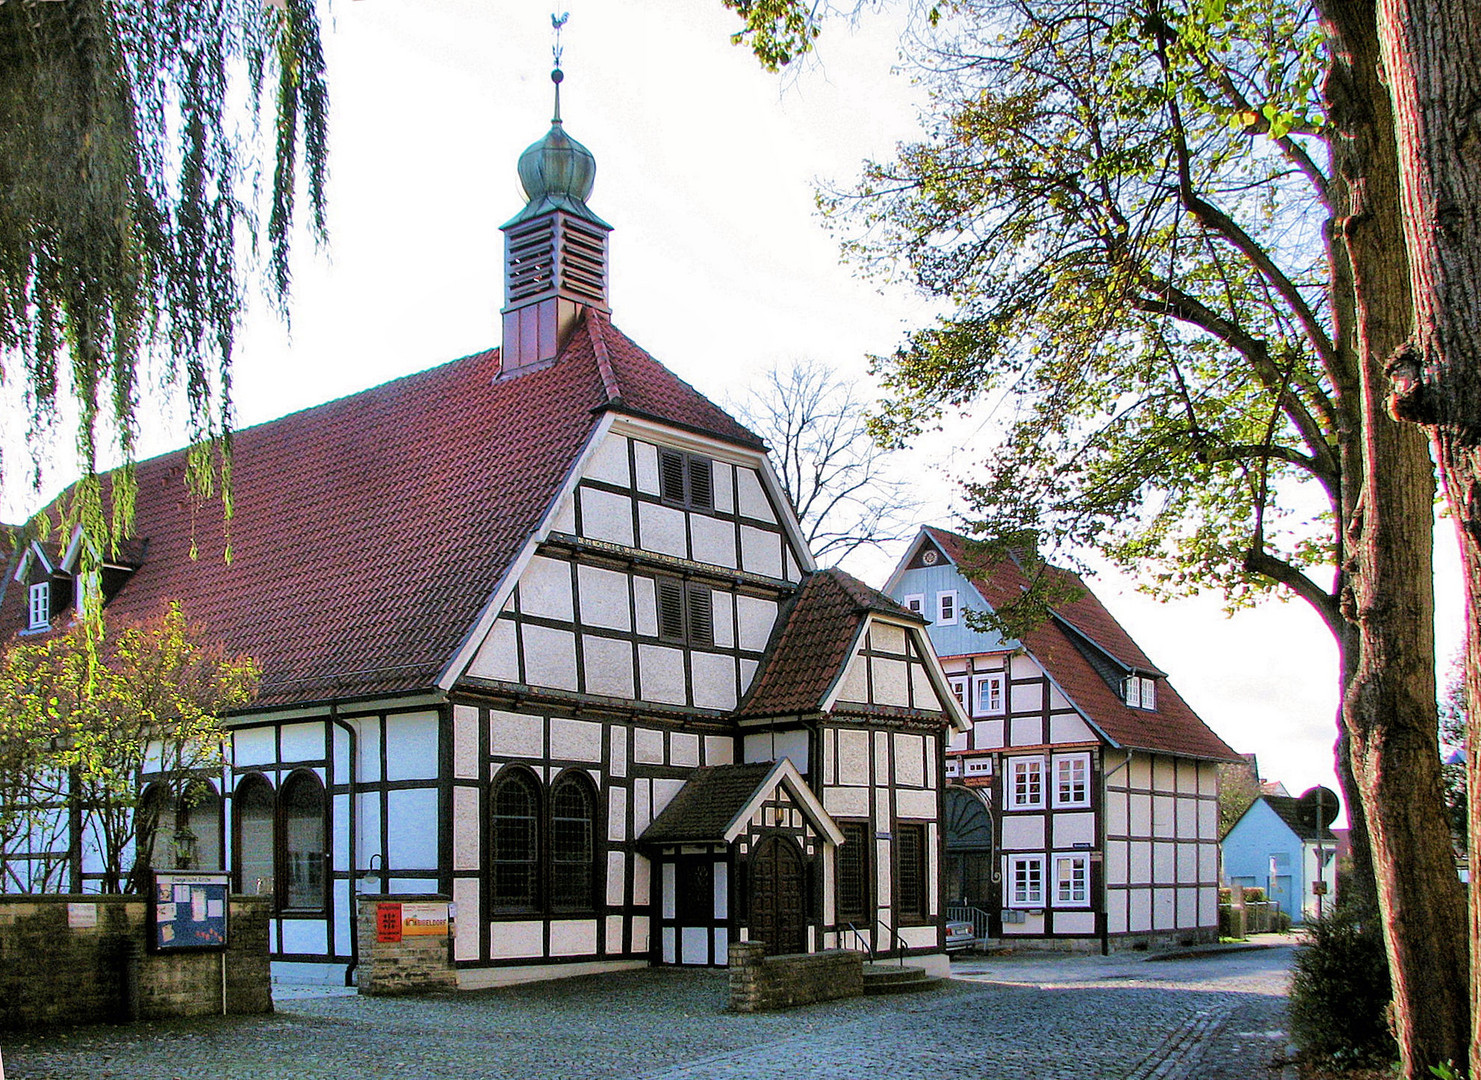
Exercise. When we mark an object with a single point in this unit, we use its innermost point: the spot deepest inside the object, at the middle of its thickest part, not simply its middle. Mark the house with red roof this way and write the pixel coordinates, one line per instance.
(1082, 805)
(540, 635)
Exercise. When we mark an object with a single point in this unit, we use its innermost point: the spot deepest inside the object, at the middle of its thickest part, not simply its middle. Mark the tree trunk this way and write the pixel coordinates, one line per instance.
(1432, 55)
(1389, 706)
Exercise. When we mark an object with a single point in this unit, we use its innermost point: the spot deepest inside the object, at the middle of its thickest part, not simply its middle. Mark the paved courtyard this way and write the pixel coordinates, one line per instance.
(1214, 1017)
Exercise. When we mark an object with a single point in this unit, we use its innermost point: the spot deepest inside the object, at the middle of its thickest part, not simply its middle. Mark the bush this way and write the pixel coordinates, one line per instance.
(1340, 990)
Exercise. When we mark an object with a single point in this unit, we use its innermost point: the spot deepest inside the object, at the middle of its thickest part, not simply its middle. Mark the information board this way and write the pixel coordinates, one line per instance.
(190, 911)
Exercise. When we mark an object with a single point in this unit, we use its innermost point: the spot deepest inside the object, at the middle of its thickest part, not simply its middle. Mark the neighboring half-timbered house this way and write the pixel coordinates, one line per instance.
(540, 632)
(1082, 806)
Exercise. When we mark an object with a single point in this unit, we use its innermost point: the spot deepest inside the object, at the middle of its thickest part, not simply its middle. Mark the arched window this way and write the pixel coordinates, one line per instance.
(514, 834)
(198, 827)
(253, 807)
(303, 805)
(572, 844)
(154, 828)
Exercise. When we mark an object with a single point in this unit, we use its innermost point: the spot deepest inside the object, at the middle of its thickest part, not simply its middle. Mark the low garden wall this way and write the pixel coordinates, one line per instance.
(82, 960)
(759, 982)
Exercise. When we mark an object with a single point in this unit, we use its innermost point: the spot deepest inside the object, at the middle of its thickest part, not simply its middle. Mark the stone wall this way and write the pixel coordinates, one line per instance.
(413, 963)
(55, 973)
(759, 982)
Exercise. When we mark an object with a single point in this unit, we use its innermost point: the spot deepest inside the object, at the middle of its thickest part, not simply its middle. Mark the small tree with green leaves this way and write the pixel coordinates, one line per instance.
(146, 699)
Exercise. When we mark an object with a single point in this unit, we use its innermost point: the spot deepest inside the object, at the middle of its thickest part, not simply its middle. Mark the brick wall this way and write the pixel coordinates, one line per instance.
(414, 965)
(51, 973)
(759, 982)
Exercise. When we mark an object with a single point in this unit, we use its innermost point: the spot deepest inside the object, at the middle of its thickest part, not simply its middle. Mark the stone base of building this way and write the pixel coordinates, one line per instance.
(489, 977)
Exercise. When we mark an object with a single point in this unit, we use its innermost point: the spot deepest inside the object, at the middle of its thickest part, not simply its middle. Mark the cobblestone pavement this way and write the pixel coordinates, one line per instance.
(1216, 1017)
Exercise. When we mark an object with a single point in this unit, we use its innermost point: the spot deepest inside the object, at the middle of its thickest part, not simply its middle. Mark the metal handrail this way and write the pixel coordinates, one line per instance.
(859, 937)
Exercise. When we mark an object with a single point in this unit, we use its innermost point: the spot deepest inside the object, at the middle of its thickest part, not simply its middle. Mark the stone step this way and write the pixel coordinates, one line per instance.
(883, 977)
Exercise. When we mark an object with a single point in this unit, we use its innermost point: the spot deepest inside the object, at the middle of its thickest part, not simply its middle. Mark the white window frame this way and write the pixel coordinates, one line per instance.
(946, 608)
(1019, 800)
(1140, 692)
(1068, 762)
(1028, 866)
(38, 598)
(959, 685)
(1082, 872)
(916, 602)
(979, 682)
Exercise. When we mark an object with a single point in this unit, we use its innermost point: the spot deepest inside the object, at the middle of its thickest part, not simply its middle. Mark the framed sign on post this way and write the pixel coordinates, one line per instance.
(190, 912)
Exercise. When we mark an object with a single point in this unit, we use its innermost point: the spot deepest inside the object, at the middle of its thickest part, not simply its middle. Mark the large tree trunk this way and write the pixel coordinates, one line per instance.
(1389, 707)
(1432, 54)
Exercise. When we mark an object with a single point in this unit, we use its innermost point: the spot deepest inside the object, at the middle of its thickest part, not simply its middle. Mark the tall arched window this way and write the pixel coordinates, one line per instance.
(154, 828)
(253, 807)
(572, 844)
(303, 805)
(198, 827)
(514, 835)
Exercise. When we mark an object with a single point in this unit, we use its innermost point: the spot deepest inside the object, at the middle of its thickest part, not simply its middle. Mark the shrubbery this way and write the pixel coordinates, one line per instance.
(1340, 990)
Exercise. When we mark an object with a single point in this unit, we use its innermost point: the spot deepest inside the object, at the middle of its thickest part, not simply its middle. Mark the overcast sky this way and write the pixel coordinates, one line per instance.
(707, 168)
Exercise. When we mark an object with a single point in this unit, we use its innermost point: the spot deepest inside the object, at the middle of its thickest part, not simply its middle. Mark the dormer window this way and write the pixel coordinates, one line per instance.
(39, 605)
(1141, 692)
(686, 480)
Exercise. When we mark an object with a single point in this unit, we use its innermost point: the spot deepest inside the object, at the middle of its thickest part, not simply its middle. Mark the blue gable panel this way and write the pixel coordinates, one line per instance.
(951, 640)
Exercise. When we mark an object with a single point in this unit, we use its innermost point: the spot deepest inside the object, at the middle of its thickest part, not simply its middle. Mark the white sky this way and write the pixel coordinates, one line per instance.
(706, 166)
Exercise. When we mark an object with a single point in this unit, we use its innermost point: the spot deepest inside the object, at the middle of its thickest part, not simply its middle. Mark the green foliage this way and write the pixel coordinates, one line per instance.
(128, 217)
(1114, 203)
(94, 716)
(1340, 990)
(776, 31)
(1239, 787)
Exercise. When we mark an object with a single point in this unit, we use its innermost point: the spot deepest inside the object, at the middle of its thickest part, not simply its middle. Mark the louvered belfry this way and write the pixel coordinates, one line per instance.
(555, 249)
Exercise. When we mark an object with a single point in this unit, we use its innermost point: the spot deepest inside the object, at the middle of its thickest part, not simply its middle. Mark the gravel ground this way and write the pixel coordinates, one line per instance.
(1215, 1016)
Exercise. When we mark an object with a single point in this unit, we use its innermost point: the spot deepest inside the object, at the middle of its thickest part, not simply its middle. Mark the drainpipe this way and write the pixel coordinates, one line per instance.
(354, 877)
(1100, 828)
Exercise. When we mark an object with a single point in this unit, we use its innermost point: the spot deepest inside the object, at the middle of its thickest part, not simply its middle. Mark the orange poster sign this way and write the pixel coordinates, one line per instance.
(387, 922)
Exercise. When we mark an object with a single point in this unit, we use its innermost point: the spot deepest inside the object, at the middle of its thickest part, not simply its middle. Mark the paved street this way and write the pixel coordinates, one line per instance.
(1216, 1017)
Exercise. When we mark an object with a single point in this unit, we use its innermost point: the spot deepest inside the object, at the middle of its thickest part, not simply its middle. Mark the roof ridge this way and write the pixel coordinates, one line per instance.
(594, 330)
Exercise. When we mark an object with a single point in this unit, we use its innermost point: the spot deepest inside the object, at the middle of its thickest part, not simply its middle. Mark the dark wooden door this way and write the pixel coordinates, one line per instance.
(778, 915)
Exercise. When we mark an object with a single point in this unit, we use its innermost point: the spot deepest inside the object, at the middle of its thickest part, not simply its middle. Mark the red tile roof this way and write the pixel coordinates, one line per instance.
(810, 647)
(370, 531)
(1172, 728)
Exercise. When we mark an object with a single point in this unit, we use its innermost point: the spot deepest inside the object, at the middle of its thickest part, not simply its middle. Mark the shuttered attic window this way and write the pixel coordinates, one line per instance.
(686, 612)
(686, 480)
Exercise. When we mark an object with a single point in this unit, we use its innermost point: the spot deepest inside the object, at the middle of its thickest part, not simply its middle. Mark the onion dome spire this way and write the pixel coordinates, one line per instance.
(557, 172)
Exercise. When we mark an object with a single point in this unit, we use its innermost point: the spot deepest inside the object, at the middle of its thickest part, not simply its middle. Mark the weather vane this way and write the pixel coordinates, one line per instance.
(558, 22)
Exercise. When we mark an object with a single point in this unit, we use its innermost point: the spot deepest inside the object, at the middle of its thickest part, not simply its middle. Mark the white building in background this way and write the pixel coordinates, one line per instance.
(1082, 806)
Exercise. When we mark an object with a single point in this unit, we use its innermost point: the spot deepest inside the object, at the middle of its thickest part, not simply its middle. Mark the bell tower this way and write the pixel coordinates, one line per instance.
(555, 249)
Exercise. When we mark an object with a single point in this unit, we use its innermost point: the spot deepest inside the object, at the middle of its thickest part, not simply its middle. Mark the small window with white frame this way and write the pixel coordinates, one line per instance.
(1025, 783)
(946, 608)
(958, 685)
(1141, 692)
(1026, 881)
(988, 698)
(39, 605)
(916, 602)
(1071, 780)
(1072, 880)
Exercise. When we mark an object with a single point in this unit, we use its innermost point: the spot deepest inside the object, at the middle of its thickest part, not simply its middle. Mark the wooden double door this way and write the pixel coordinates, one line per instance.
(777, 896)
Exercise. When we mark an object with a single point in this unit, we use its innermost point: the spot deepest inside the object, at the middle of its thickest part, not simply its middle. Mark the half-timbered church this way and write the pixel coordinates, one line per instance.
(1082, 805)
(539, 631)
